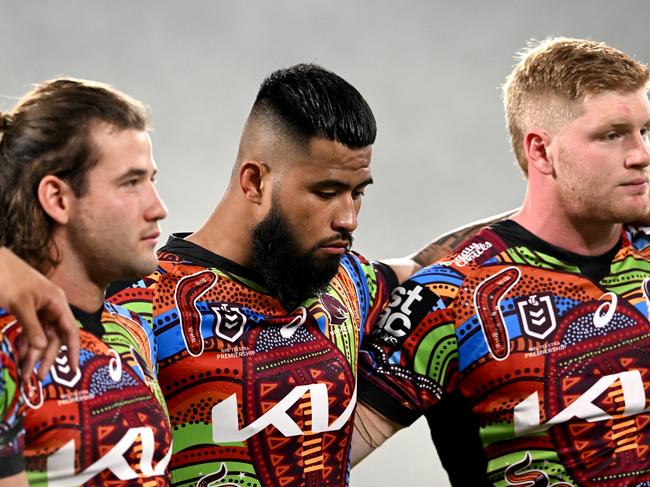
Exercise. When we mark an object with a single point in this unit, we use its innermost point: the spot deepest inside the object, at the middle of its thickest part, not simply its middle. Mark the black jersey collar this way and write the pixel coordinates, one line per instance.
(191, 252)
(595, 267)
(90, 321)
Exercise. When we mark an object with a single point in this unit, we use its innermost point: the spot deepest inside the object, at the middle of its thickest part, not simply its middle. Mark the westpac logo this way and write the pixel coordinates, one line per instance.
(225, 425)
(397, 319)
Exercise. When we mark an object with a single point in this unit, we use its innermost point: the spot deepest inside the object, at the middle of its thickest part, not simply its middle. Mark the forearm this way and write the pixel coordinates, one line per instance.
(371, 430)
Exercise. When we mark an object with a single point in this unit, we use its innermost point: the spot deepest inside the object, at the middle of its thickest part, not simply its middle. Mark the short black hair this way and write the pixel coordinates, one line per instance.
(314, 102)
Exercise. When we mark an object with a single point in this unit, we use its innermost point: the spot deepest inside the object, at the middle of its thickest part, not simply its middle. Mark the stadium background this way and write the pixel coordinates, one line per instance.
(431, 71)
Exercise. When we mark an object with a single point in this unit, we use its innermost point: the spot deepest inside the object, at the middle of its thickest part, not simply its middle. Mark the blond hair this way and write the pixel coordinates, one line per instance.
(553, 76)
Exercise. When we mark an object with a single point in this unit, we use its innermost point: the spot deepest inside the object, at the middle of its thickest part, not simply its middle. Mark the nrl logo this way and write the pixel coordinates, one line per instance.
(537, 315)
(62, 371)
(229, 322)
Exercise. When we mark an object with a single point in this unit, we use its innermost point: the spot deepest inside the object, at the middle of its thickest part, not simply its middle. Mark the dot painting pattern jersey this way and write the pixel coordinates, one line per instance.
(258, 395)
(556, 365)
(104, 424)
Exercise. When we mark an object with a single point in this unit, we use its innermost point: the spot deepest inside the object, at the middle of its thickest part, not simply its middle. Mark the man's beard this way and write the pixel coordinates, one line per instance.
(287, 273)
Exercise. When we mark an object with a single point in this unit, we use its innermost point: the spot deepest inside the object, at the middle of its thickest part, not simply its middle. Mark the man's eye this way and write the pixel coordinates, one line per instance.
(326, 194)
(645, 134)
(612, 136)
(357, 194)
(131, 183)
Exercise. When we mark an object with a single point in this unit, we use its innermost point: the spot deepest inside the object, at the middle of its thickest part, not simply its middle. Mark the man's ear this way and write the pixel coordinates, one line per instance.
(55, 197)
(536, 146)
(253, 176)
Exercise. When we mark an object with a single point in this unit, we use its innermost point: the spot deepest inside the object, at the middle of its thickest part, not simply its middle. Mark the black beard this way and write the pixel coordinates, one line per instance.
(291, 276)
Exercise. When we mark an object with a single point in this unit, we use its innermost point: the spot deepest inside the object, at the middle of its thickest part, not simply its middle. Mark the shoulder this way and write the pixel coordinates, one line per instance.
(364, 268)
(171, 269)
(466, 259)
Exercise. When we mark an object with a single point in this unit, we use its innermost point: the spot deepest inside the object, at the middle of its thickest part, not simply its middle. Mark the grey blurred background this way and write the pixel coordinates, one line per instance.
(431, 71)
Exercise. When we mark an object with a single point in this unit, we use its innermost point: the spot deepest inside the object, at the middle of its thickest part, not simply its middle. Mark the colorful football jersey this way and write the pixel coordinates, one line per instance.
(104, 424)
(551, 349)
(258, 395)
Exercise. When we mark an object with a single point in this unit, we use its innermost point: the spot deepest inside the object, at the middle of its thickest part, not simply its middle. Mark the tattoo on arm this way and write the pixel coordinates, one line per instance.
(447, 242)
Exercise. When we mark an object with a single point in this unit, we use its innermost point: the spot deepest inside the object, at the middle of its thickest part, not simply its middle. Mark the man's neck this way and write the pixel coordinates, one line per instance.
(225, 234)
(81, 291)
(577, 236)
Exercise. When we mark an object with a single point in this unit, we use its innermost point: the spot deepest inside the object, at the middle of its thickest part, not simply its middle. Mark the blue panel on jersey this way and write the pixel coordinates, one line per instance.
(321, 321)
(354, 269)
(394, 359)
(641, 240)
(171, 341)
(474, 346)
(562, 305)
(438, 274)
(118, 310)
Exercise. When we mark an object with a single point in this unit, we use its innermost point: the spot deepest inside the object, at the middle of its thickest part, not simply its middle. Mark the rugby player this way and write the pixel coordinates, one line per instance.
(78, 203)
(258, 315)
(541, 321)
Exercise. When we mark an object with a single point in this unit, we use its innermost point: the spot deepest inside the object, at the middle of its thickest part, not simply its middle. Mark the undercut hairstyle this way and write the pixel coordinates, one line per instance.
(554, 76)
(48, 133)
(308, 101)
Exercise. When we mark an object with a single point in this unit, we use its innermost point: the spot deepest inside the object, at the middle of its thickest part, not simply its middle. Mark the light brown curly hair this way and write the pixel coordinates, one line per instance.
(47, 133)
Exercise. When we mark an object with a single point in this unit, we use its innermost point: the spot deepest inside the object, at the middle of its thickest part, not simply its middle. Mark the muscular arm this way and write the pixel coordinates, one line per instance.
(371, 429)
(42, 310)
(405, 267)
(447, 242)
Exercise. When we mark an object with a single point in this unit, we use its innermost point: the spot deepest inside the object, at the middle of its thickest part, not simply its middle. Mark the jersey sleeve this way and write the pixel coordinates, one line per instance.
(409, 359)
(12, 434)
(373, 282)
(386, 281)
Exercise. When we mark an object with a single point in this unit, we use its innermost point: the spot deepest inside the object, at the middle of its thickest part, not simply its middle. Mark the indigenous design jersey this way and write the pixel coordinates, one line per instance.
(102, 425)
(556, 365)
(258, 395)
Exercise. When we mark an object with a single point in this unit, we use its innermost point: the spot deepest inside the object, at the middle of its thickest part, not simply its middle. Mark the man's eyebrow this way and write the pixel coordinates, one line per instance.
(336, 184)
(614, 124)
(136, 172)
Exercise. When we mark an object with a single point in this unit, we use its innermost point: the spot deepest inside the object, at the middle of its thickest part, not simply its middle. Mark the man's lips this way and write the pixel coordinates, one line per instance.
(336, 247)
(152, 237)
(637, 184)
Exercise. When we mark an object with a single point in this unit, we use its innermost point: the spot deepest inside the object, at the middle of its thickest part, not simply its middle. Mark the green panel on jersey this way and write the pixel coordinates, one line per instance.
(523, 255)
(188, 476)
(438, 347)
(195, 434)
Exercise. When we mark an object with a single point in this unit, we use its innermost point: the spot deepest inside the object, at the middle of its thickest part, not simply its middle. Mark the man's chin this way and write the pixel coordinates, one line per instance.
(327, 260)
(137, 270)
